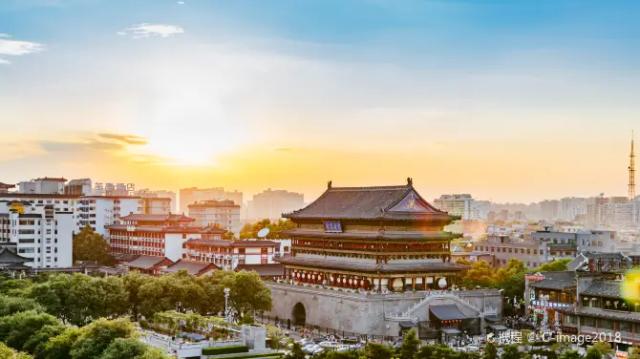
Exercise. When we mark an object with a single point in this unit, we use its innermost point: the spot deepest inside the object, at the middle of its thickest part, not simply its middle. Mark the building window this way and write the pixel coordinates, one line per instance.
(332, 226)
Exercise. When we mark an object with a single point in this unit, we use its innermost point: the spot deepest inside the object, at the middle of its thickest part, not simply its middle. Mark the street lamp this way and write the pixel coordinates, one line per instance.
(226, 303)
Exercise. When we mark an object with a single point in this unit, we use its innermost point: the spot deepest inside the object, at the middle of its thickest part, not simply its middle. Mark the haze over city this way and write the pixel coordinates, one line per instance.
(509, 101)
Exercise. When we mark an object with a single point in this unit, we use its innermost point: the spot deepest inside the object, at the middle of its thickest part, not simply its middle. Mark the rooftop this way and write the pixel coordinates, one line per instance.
(51, 179)
(604, 288)
(157, 218)
(8, 257)
(380, 202)
(214, 203)
(193, 268)
(39, 195)
(146, 262)
(556, 280)
(233, 244)
(264, 270)
(168, 229)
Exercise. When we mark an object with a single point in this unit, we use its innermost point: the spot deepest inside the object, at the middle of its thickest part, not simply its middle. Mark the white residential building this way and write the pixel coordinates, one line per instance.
(38, 232)
(463, 205)
(99, 212)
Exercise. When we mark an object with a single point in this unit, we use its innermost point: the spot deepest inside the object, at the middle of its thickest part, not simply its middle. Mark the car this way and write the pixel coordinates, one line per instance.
(328, 344)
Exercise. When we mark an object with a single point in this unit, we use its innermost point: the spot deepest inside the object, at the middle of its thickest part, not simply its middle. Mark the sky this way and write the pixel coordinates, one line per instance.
(511, 101)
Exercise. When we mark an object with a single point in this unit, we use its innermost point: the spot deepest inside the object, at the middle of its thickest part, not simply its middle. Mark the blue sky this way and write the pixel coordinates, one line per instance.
(477, 91)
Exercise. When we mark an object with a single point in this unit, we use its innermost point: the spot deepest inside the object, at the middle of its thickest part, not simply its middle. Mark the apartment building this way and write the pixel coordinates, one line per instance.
(37, 232)
(224, 214)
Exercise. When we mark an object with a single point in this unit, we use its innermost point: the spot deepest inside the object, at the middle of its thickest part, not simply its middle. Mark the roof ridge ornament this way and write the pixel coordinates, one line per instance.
(329, 184)
(409, 181)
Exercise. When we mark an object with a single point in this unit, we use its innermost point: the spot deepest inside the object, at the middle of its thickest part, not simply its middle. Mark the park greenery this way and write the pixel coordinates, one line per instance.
(79, 316)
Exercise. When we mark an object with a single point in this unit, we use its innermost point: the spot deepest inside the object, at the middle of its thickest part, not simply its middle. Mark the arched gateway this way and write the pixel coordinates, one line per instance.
(299, 314)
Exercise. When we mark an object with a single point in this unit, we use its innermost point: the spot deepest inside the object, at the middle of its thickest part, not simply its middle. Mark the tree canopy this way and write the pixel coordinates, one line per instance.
(250, 230)
(91, 247)
(554, 266)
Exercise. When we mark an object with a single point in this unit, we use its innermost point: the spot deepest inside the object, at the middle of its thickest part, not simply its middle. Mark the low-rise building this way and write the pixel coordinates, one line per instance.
(586, 299)
(229, 254)
(193, 268)
(504, 248)
(157, 235)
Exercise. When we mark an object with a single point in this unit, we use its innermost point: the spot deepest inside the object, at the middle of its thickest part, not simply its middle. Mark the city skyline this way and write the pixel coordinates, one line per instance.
(508, 102)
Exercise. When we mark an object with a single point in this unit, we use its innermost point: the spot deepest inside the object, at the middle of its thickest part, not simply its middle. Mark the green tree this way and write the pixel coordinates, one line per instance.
(250, 230)
(377, 351)
(296, 352)
(15, 287)
(570, 354)
(603, 348)
(410, 343)
(634, 353)
(153, 353)
(490, 351)
(91, 247)
(78, 298)
(511, 352)
(593, 353)
(437, 351)
(8, 353)
(18, 328)
(53, 295)
(37, 342)
(11, 305)
(59, 347)
(133, 281)
(124, 348)
(97, 336)
(249, 294)
(557, 265)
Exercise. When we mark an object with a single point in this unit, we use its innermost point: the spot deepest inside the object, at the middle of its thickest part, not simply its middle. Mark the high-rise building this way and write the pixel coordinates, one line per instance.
(147, 193)
(224, 214)
(463, 205)
(271, 204)
(194, 194)
(37, 232)
(99, 212)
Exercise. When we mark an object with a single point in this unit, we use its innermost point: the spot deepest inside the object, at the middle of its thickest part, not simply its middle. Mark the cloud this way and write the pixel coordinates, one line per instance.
(180, 2)
(144, 30)
(127, 139)
(9, 47)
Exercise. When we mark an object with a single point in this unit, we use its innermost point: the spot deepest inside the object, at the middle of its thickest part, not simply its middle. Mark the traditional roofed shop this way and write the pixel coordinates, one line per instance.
(379, 260)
